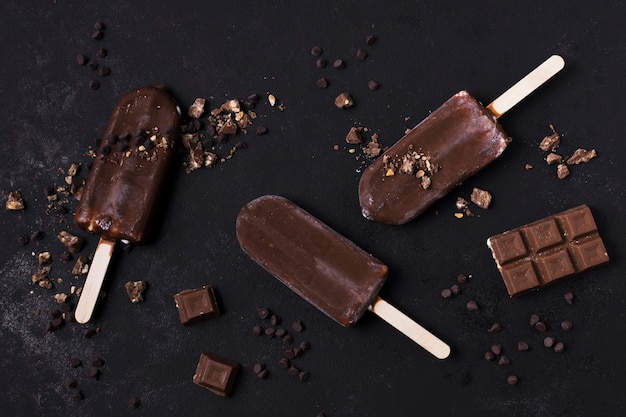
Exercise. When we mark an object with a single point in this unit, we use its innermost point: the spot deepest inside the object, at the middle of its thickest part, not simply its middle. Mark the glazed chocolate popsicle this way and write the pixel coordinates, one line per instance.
(323, 267)
(125, 183)
(452, 144)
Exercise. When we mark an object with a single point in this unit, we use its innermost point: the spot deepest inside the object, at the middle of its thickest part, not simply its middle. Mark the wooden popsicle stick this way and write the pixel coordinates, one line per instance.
(526, 85)
(410, 328)
(93, 283)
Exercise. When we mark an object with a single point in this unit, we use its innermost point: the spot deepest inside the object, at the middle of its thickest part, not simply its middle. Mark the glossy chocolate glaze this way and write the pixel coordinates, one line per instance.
(461, 137)
(323, 267)
(125, 182)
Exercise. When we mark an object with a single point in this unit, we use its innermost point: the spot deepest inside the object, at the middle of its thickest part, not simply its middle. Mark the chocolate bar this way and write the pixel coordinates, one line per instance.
(196, 305)
(216, 374)
(548, 250)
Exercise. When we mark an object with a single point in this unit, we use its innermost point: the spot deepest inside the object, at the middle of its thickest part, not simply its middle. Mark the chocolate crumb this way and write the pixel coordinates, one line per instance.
(553, 158)
(481, 198)
(134, 402)
(569, 298)
(72, 243)
(581, 156)
(15, 201)
(550, 142)
(562, 171)
(354, 136)
(344, 101)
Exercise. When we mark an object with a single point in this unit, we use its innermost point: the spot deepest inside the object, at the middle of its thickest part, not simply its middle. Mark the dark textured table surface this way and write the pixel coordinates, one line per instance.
(424, 53)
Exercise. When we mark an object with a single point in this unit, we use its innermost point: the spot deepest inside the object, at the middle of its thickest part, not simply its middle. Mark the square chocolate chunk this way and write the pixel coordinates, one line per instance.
(548, 250)
(196, 305)
(216, 374)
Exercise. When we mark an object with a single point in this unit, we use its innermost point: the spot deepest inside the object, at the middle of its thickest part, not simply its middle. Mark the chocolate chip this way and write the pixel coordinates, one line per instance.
(270, 331)
(559, 347)
(461, 278)
(316, 51)
(534, 319)
(261, 130)
(456, 290)
(361, 54)
(471, 305)
(446, 293)
(370, 40)
(504, 360)
(339, 64)
(522, 346)
(373, 85)
(257, 330)
(97, 35)
(102, 52)
(92, 65)
(283, 363)
(289, 354)
(280, 332)
(489, 356)
(512, 380)
(98, 26)
(569, 298)
(78, 395)
(104, 71)
(81, 59)
(496, 349)
(23, 240)
(258, 367)
(70, 383)
(297, 326)
(97, 363)
(566, 325)
(303, 376)
(293, 371)
(549, 341)
(288, 338)
(94, 373)
(322, 83)
(134, 402)
(320, 63)
(94, 84)
(274, 319)
(305, 346)
(495, 327)
(541, 326)
(75, 362)
(66, 256)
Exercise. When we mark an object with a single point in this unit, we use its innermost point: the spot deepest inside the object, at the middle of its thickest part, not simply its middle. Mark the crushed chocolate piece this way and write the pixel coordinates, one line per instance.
(44, 258)
(481, 198)
(373, 148)
(562, 171)
(528, 167)
(354, 136)
(72, 243)
(135, 290)
(581, 156)
(415, 163)
(550, 142)
(15, 201)
(554, 158)
(344, 101)
(81, 266)
(41, 274)
(197, 108)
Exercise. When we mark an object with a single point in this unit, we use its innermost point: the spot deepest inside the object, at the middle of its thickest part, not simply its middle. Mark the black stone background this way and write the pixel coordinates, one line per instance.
(425, 52)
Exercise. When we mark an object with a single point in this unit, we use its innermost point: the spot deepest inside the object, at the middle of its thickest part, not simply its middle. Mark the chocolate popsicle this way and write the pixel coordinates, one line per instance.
(126, 179)
(452, 144)
(323, 267)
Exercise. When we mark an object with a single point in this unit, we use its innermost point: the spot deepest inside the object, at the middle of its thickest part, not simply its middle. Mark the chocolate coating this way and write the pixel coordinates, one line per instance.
(548, 250)
(323, 267)
(460, 137)
(125, 182)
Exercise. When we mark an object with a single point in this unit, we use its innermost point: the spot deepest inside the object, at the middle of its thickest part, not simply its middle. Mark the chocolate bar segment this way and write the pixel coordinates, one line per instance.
(216, 374)
(548, 250)
(196, 305)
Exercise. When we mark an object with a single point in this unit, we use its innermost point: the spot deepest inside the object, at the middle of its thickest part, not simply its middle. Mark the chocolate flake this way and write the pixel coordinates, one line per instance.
(550, 142)
(15, 201)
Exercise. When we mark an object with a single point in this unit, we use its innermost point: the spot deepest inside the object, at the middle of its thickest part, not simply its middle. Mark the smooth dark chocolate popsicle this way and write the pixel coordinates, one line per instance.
(125, 182)
(450, 145)
(548, 250)
(320, 265)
